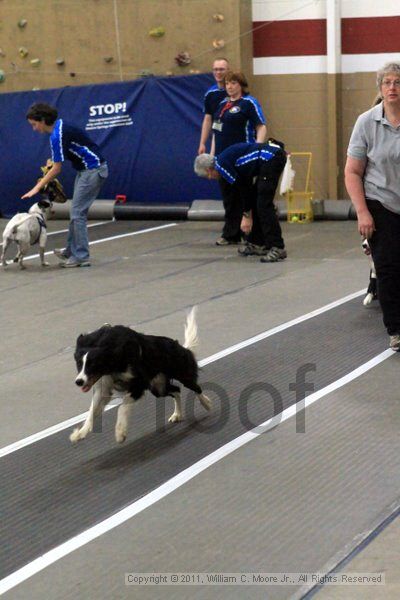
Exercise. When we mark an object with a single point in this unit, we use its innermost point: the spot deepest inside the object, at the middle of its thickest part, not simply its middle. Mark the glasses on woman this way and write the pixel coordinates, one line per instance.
(390, 82)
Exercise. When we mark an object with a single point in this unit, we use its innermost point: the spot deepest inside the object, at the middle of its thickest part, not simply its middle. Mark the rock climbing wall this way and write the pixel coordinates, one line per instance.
(55, 43)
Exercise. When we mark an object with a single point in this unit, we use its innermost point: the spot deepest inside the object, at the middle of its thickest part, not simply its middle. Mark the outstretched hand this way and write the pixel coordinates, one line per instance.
(35, 190)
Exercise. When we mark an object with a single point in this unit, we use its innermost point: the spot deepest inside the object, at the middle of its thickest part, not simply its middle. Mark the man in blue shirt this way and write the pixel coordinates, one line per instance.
(212, 98)
(69, 142)
(238, 165)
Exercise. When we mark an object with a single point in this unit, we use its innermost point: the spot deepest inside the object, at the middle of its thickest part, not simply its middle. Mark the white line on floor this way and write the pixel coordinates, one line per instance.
(113, 237)
(89, 225)
(176, 482)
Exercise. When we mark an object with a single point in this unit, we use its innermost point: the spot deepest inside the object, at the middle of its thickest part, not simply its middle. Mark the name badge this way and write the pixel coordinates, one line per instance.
(217, 126)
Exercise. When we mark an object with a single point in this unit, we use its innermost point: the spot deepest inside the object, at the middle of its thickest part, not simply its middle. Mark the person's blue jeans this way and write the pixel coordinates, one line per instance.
(86, 188)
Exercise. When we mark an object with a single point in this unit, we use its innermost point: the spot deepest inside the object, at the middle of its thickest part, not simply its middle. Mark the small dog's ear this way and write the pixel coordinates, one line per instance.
(44, 203)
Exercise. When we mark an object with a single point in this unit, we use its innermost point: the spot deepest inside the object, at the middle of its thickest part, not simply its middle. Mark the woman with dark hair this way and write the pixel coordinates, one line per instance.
(69, 142)
(372, 178)
(238, 118)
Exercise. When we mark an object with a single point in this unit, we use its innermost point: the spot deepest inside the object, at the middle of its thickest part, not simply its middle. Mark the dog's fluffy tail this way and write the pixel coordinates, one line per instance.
(191, 338)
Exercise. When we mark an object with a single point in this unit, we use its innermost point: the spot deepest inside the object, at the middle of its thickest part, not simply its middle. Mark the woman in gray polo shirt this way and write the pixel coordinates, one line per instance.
(372, 177)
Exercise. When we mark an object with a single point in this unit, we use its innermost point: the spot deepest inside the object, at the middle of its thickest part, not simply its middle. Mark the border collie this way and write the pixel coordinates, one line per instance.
(26, 229)
(119, 358)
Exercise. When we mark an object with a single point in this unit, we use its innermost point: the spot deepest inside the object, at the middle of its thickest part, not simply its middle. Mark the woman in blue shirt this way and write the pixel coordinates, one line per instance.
(238, 118)
(69, 142)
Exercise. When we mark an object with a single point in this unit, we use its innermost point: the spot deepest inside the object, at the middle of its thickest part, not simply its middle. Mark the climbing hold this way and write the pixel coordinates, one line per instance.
(194, 71)
(22, 23)
(108, 59)
(35, 62)
(183, 59)
(23, 52)
(168, 73)
(60, 61)
(72, 74)
(2, 76)
(157, 32)
(146, 73)
(218, 44)
(218, 17)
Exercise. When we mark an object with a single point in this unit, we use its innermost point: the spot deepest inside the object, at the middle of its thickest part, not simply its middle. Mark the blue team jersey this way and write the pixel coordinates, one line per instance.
(237, 123)
(213, 96)
(244, 160)
(69, 142)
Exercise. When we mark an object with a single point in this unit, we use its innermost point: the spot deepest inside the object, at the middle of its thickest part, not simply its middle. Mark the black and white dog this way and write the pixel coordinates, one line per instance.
(26, 229)
(119, 358)
(372, 290)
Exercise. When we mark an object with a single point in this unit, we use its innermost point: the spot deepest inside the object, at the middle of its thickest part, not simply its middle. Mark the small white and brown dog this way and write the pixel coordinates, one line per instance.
(27, 229)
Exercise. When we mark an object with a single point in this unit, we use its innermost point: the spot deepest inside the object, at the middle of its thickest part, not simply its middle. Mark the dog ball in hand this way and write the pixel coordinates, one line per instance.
(295, 219)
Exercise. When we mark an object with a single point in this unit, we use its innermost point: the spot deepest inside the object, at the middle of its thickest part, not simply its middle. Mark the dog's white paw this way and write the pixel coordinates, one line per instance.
(205, 401)
(77, 435)
(120, 435)
(175, 418)
(45, 264)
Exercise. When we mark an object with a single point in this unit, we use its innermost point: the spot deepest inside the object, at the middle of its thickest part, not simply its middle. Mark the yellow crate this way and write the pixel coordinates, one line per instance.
(299, 207)
(299, 200)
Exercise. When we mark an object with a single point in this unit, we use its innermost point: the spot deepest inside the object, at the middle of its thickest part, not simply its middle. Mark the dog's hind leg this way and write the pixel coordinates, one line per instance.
(21, 255)
(202, 398)
(101, 396)
(6, 243)
(124, 412)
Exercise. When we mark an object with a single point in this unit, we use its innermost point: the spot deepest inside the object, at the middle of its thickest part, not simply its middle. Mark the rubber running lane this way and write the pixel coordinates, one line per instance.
(53, 490)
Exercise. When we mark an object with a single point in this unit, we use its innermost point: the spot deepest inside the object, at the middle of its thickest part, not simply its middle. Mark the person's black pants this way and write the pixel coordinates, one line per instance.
(266, 229)
(385, 250)
(233, 198)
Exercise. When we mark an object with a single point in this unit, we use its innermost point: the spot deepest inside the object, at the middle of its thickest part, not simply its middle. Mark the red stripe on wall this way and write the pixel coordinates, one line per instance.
(304, 37)
(370, 35)
(307, 37)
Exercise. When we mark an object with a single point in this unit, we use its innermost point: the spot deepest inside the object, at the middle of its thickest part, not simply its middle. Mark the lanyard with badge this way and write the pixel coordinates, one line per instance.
(217, 125)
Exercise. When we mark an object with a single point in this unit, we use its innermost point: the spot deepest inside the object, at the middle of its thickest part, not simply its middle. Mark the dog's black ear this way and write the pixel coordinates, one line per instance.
(80, 338)
(43, 203)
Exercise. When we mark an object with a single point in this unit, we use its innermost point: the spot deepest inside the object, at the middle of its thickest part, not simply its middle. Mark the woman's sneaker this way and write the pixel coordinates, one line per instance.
(60, 253)
(395, 342)
(252, 250)
(274, 254)
(224, 242)
(72, 263)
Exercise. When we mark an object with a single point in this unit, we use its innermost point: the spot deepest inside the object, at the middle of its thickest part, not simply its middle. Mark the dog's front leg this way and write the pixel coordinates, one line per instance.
(124, 411)
(41, 254)
(176, 416)
(102, 390)
(42, 246)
